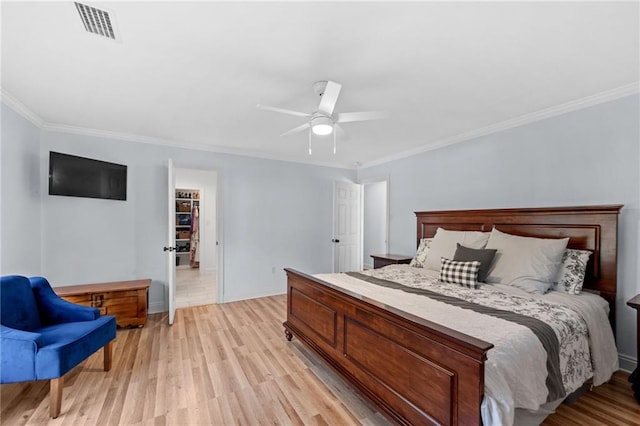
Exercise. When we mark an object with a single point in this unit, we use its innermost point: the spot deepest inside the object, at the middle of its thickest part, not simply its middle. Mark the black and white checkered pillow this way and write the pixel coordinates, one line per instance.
(463, 273)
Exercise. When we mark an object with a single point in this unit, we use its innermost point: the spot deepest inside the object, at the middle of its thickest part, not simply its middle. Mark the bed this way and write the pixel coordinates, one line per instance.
(420, 371)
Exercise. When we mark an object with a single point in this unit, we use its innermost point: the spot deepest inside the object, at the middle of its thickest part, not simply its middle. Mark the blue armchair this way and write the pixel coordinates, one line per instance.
(43, 336)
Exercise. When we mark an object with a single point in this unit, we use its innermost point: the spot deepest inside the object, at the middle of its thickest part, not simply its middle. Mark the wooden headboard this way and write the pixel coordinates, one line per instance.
(593, 228)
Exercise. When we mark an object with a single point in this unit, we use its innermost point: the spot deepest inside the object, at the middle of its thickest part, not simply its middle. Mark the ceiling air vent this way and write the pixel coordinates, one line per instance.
(96, 21)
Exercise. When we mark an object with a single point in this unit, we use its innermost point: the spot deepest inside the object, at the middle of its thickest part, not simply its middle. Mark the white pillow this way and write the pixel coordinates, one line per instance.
(525, 262)
(421, 254)
(445, 243)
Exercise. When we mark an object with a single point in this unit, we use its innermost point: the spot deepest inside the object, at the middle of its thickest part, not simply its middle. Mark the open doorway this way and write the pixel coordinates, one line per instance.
(375, 219)
(196, 239)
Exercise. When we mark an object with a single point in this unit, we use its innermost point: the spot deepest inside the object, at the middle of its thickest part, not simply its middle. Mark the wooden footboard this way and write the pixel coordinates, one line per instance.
(415, 371)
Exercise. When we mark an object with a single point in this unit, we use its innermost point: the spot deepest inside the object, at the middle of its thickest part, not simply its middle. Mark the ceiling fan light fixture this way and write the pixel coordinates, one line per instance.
(323, 121)
(322, 126)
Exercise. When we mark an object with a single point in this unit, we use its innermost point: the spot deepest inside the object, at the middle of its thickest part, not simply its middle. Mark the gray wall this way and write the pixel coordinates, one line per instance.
(590, 156)
(20, 230)
(275, 214)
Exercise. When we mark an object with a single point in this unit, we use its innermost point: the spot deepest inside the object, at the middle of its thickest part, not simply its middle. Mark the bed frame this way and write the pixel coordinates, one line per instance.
(417, 371)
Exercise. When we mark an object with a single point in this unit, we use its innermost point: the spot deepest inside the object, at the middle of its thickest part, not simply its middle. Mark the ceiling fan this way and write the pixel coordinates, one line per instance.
(323, 121)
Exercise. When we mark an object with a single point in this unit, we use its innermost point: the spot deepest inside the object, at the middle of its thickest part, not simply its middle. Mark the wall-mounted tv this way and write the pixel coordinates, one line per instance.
(85, 177)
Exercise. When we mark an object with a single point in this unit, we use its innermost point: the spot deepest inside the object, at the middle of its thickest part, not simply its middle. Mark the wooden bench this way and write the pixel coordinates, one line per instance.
(126, 300)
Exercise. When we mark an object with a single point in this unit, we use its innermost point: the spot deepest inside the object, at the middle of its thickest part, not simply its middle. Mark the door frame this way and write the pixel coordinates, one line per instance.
(170, 258)
(219, 237)
(372, 180)
(218, 226)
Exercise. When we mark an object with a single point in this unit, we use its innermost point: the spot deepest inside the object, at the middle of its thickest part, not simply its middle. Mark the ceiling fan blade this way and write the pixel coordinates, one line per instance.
(329, 98)
(282, 110)
(297, 129)
(347, 117)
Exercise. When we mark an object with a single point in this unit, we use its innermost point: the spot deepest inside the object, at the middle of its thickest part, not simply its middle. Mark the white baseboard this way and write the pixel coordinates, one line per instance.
(156, 307)
(627, 363)
(368, 266)
(268, 293)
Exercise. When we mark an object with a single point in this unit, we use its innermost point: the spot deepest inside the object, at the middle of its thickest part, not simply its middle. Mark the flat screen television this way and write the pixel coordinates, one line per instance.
(85, 177)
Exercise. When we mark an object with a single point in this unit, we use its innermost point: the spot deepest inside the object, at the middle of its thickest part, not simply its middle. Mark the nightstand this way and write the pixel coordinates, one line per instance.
(634, 302)
(380, 260)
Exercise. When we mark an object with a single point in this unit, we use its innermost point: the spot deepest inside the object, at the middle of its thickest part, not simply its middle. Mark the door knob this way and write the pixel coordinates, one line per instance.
(335, 240)
(169, 248)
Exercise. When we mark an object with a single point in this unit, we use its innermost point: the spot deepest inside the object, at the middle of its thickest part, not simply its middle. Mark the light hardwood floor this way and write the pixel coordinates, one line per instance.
(194, 287)
(230, 364)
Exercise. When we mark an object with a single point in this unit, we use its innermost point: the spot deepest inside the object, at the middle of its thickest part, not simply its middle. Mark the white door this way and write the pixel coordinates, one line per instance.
(347, 224)
(170, 248)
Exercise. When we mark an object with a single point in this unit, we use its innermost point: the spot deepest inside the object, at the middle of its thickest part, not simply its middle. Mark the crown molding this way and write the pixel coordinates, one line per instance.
(588, 101)
(578, 104)
(36, 120)
(62, 128)
(21, 108)
(85, 131)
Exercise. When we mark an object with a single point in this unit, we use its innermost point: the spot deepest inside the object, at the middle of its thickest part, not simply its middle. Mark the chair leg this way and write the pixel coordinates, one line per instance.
(56, 385)
(108, 349)
(55, 403)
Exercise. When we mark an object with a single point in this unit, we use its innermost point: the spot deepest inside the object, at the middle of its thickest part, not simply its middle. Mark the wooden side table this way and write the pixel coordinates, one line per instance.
(634, 302)
(380, 260)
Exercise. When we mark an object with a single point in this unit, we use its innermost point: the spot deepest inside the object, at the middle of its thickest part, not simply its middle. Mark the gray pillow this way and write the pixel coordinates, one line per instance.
(484, 256)
(522, 260)
(444, 245)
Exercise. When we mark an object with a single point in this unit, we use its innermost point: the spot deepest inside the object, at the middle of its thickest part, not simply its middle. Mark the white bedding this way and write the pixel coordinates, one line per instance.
(515, 370)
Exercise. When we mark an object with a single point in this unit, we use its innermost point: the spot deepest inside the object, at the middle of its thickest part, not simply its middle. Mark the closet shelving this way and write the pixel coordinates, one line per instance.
(186, 200)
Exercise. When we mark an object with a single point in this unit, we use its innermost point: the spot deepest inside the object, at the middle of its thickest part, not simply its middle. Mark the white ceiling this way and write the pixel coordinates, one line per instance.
(190, 74)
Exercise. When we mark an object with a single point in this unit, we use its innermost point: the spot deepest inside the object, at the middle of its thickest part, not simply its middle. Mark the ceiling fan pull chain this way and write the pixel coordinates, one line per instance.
(309, 140)
(334, 141)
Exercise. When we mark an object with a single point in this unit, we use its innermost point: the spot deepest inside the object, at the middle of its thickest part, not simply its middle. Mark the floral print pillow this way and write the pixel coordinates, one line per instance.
(571, 272)
(421, 254)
